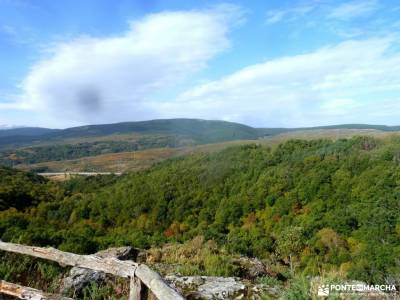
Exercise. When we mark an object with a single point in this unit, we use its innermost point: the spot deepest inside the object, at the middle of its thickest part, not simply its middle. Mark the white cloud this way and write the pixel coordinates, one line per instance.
(349, 82)
(354, 9)
(291, 14)
(276, 16)
(92, 79)
(329, 11)
(20, 36)
(13, 105)
(128, 77)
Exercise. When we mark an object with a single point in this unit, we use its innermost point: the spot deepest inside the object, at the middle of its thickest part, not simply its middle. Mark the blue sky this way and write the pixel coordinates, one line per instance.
(263, 63)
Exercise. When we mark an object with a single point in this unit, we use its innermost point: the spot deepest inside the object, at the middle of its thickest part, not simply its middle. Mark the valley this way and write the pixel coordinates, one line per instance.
(262, 210)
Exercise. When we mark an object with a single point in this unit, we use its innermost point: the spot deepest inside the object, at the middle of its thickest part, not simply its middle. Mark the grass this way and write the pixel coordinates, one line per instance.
(195, 257)
(47, 276)
(109, 291)
(269, 281)
(299, 288)
(30, 272)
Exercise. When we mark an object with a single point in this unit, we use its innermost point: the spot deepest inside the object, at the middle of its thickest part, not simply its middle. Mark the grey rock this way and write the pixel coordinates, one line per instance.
(79, 278)
(186, 281)
(221, 288)
(252, 267)
(259, 289)
(209, 287)
(121, 253)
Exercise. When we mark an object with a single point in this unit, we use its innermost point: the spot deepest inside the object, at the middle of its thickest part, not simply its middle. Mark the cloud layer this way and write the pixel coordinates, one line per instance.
(354, 9)
(107, 79)
(141, 73)
(325, 9)
(355, 81)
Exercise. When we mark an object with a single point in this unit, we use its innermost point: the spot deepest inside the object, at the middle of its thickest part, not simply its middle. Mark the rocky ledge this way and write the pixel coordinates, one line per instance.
(192, 287)
(211, 287)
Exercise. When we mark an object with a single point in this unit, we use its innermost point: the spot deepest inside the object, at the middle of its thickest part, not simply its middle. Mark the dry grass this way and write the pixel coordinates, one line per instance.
(194, 257)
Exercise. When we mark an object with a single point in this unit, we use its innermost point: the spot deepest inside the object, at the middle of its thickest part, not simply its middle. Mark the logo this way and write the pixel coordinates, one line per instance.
(354, 287)
(323, 290)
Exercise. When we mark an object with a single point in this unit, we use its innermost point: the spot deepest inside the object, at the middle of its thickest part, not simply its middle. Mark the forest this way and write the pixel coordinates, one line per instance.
(61, 152)
(305, 207)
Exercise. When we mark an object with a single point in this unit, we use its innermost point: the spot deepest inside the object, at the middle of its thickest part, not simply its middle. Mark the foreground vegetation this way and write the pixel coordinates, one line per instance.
(304, 208)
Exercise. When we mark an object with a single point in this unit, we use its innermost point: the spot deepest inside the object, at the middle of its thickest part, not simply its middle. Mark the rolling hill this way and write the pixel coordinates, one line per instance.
(12, 133)
(111, 147)
(200, 131)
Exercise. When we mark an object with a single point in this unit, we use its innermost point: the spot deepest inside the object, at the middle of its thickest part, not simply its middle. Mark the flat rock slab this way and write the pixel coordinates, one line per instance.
(209, 287)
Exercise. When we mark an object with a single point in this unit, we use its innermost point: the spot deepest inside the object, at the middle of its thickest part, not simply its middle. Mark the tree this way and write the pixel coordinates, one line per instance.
(289, 244)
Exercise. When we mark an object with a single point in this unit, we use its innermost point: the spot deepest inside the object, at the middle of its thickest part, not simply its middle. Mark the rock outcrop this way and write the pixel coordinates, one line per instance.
(192, 287)
(79, 278)
(211, 287)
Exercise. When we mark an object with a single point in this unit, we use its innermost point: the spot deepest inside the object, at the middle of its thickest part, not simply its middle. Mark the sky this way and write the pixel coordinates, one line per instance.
(258, 62)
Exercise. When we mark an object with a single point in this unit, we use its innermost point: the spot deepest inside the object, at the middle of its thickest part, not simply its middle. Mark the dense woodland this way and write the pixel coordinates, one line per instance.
(310, 206)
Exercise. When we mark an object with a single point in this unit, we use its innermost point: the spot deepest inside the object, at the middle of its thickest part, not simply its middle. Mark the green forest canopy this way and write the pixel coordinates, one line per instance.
(315, 205)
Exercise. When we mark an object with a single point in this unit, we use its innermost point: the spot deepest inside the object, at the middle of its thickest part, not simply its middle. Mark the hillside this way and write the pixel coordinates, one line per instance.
(275, 131)
(199, 131)
(21, 190)
(25, 132)
(248, 200)
(94, 140)
(123, 146)
(124, 161)
(142, 159)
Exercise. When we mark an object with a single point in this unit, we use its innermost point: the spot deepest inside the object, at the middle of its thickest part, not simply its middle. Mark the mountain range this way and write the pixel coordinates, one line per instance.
(201, 131)
(130, 146)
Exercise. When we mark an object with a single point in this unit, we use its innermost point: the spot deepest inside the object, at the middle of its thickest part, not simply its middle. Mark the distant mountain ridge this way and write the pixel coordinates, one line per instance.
(24, 131)
(201, 131)
(7, 126)
(209, 130)
(357, 126)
